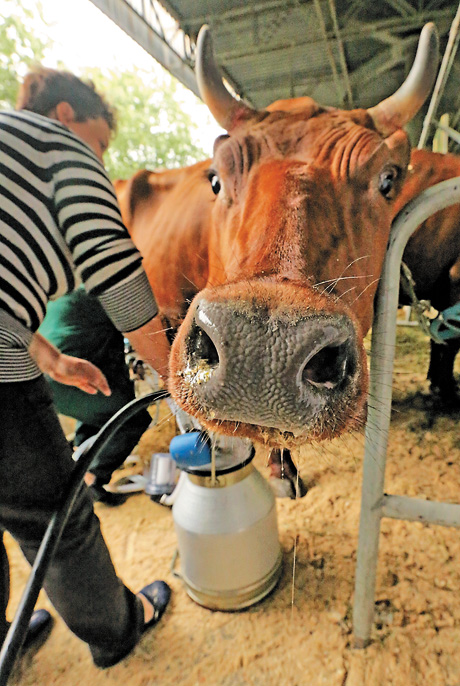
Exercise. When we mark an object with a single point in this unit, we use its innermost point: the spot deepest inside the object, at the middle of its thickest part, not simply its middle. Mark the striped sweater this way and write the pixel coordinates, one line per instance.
(60, 225)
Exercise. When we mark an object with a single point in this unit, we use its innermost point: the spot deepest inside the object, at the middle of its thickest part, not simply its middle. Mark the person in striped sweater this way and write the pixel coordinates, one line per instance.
(60, 225)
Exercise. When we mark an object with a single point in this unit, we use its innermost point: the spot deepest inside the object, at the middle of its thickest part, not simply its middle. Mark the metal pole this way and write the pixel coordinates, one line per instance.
(330, 54)
(343, 61)
(442, 77)
(455, 135)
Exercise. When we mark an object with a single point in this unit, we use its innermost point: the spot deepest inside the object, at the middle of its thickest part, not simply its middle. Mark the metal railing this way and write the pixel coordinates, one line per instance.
(375, 503)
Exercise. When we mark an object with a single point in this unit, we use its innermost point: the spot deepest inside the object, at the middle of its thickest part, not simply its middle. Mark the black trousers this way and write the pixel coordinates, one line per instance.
(81, 582)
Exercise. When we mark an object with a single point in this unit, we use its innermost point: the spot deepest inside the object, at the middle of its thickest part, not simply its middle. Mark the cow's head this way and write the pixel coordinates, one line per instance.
(272, 347)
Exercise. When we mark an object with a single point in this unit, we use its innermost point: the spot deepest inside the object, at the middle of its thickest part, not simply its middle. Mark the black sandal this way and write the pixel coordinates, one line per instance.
(40, 626)
(157, 594)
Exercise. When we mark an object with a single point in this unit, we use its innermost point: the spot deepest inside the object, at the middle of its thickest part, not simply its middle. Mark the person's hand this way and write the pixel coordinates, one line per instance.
(68, 370)
(74, 371)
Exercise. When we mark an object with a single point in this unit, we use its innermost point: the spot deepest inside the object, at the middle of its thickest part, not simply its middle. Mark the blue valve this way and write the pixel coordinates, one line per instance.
(191, 449)
(447, 325)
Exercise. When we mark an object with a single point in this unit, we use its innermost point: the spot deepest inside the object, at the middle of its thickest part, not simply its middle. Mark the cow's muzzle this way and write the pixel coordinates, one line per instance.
(282, 370)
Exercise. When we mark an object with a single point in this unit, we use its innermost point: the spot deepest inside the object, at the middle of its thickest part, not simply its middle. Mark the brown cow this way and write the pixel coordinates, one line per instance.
(433, 256)
(168, 214)
(291, 224)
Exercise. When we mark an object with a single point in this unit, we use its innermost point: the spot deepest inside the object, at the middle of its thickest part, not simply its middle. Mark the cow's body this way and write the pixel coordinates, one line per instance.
(284, 243)
(168, 216)
(433, 256)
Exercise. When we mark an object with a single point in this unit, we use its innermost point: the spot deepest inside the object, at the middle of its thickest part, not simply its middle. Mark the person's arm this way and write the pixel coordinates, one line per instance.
(106, 259)
(71, 371)
(151, 344)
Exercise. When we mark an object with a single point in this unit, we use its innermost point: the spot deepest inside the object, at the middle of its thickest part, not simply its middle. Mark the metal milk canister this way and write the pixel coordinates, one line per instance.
(226, 524)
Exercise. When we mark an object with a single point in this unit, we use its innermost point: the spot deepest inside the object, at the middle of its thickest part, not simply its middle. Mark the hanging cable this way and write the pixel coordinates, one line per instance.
(17, 632)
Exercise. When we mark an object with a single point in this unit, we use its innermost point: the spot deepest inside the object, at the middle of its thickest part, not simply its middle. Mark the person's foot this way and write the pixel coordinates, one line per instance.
(40, 626)
(100, 495)
(155, 598)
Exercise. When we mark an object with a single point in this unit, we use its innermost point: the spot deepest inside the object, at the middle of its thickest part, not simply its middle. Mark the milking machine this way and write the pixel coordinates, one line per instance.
(224, 515)
(225, 519)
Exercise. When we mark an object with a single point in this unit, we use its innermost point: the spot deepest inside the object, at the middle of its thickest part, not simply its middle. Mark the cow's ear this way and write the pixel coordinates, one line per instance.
(399, 147)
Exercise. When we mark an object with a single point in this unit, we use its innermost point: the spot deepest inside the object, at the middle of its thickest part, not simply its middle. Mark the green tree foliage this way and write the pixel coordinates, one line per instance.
(154, 128)
(22, 43)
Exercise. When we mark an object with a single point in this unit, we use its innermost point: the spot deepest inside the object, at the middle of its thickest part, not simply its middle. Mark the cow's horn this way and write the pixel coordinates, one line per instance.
(394, 112)
(226, 110)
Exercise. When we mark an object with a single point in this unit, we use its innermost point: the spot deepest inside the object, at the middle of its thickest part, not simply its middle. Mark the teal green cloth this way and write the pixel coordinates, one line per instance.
(78, 325)
(78, 322)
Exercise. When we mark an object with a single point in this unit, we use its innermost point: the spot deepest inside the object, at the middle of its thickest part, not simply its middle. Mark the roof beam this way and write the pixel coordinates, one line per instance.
(136, 26)
(456, 117)
(385, 31)
(355, 29)
(455, 135)
(329, 52)
(250, 8)
(351, 11)
(381, 64)
(404, 8)
(387, 38)
(138, 18)
(342, 58)
(264, 92)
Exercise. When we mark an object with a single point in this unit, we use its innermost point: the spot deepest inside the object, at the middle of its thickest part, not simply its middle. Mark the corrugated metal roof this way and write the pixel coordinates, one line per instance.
(340, 52)
(272, 49)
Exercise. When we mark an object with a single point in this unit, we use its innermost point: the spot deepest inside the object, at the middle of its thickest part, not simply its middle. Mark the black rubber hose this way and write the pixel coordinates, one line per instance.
(17, 632)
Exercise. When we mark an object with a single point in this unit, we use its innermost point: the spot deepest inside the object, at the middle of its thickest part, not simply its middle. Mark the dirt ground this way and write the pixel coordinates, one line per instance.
(301, 634)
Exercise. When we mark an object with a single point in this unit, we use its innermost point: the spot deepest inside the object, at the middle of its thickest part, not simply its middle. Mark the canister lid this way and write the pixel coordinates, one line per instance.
(192, 453)
(191, 449)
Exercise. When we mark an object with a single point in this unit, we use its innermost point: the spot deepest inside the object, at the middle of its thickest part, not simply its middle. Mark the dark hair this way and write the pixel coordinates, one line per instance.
(43, 89)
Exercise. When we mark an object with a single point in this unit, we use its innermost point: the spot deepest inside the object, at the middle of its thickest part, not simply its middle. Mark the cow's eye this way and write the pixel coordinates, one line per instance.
(214, 181)
(387, 181)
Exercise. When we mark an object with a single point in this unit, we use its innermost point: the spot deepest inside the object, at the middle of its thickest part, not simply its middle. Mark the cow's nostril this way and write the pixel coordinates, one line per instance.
(329, 366)
(201, 347)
